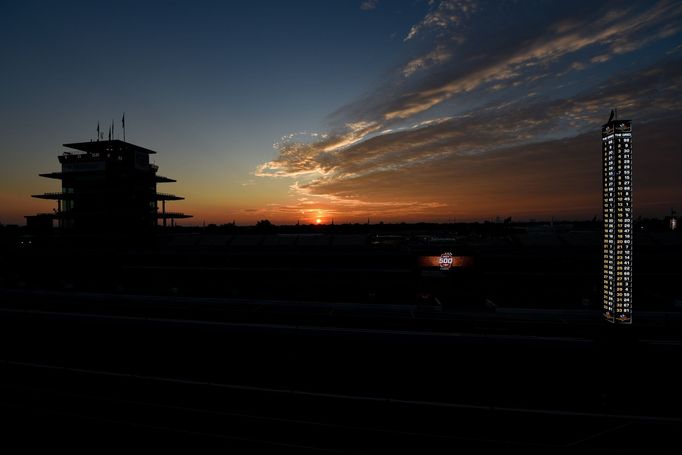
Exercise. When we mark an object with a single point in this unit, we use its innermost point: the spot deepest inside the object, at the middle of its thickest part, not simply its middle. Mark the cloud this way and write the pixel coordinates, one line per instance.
(508, 54)
(552, 177)
(427, 164)
(296, 158)
(446, 14)
(620, 33)
(368, 5)
(389, 156)
(578, 66)
(519, 178)
(439, 55)
(600, 58)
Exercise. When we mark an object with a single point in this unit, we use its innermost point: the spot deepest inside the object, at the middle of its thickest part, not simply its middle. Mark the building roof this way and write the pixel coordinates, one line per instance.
(107, 146)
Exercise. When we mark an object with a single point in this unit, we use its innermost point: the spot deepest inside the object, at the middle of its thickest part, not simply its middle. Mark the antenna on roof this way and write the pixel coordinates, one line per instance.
(123, 124)
(611, 116)
(616, 113)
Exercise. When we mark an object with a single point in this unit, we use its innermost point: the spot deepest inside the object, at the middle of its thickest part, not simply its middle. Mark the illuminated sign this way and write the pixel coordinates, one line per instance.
(445, 261)
(618, 221)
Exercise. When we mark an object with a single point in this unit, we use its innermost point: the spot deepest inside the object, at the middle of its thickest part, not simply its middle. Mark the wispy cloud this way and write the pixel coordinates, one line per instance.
(368, 5)
(618, 33)
(600, 58)
(443, 16)
(439, 55)
(550, 177)
(389, 155)
(298, 158)
(402, 166)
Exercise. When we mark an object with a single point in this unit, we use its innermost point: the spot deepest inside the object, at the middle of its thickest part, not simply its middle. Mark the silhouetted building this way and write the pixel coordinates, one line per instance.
(108, 185)
(618, 219)
(39, 222)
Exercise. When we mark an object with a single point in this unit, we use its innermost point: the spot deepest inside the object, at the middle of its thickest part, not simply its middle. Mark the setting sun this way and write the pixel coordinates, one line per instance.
(318, 221)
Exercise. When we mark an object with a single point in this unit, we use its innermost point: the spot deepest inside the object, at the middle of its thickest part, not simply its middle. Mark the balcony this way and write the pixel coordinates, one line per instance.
(168, 197)
(162, 179)
(54, 196)
(161, 215)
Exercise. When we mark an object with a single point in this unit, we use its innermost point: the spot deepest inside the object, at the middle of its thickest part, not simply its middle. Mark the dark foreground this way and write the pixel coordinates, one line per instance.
(95, 372)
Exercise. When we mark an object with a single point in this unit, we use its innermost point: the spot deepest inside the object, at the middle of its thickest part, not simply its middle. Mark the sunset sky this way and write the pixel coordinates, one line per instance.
(393, 110)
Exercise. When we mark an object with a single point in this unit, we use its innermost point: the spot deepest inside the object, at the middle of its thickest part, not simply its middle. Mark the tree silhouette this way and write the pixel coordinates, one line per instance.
(264, 225)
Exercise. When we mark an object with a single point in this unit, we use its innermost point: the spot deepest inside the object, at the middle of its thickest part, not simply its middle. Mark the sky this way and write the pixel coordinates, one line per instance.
(419, 110)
